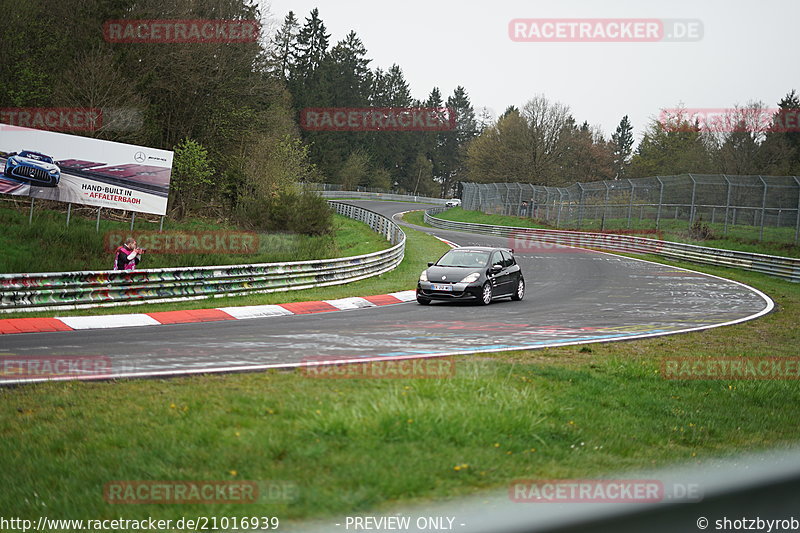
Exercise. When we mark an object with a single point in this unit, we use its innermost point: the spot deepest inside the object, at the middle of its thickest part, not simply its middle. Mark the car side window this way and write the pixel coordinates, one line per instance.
(508, 259)
(497, 259)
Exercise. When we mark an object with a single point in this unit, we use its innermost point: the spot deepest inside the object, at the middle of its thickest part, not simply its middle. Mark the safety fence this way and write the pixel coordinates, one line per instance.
(744, 205)
(78, 290)
(545, 240)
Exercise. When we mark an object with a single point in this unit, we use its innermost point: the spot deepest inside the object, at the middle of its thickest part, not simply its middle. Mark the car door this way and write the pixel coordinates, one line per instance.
(513, 271)
(501, 280)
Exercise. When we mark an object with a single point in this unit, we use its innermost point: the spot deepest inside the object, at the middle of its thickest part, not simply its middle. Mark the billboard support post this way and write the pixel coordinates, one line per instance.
(97, 226)
(161, 227)
(69, 212)
(133, 217)
(30, 217)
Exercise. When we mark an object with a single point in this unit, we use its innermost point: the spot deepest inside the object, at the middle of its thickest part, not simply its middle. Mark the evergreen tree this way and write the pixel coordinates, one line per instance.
(283, 48)
(312, 45)
(394, 151)
(780, 152)
(433, 142)
(453, 164)
(622, 143)
(310, 51)
(390, 89)
(510, 109)
(344, 80)
(346, 73)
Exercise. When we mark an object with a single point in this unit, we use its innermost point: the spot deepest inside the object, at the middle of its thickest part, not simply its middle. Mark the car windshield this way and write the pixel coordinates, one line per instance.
(37, 157)
(464, 258)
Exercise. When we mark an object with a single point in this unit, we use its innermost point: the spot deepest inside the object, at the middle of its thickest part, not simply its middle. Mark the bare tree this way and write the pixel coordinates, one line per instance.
(547, 124)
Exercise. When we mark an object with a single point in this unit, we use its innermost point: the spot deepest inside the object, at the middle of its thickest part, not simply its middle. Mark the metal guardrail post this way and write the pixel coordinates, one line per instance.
(660, 201)
(560, 206)
(630, 202)
(727, 202)
(763, 208)
(797, 223)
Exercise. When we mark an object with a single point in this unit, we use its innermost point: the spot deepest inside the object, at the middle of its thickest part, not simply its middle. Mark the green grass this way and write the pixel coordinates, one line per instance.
(48, 246)
(357, 445)
(420, 248)
(777, 241)
(415, 217)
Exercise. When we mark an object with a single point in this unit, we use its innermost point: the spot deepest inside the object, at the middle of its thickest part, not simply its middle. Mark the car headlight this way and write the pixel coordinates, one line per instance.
(471, 278)
(423, 276)
(54, 171)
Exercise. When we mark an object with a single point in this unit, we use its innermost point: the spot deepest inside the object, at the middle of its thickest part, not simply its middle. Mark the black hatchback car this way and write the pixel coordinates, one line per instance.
(472, 273)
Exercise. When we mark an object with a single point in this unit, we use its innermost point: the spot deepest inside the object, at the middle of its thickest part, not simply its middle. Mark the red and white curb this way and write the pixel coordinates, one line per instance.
(451, 244)
(71, 323)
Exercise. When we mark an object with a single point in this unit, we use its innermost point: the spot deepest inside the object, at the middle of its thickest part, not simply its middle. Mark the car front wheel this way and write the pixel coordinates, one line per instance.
(423, 301)
(486, 293)
(520, 292)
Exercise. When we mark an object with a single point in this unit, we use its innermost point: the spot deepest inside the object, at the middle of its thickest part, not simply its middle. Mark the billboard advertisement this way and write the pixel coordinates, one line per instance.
(82, 170)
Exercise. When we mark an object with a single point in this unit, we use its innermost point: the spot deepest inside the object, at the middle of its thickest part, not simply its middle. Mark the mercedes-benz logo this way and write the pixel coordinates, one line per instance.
(139, 157)
(444, 278)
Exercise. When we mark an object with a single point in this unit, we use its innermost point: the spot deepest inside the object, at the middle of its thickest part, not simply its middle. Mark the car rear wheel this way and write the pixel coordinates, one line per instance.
(520, 292)
(486, 293)
(423, 301)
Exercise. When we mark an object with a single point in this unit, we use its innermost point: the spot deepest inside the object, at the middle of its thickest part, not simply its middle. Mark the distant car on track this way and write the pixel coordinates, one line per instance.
(453, 202)
(473, 273)
(34, 167)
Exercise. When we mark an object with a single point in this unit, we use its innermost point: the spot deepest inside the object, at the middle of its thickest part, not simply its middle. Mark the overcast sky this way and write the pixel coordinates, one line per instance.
(749, 51)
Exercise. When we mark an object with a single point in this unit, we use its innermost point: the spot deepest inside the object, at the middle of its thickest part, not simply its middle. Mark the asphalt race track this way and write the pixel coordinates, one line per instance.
(572, 296)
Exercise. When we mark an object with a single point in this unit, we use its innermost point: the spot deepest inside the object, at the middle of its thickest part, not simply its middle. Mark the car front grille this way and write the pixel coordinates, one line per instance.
(33, 174)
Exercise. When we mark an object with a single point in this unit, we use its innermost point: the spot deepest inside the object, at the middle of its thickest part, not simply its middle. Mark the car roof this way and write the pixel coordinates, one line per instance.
(482, 249)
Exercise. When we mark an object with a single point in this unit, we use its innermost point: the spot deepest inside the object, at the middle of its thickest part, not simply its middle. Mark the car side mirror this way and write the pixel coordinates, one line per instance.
(430, 263)
(495, 269)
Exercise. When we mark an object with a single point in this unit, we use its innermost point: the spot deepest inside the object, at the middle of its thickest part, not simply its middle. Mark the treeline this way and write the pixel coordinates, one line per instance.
(229, 119)
(542, 144)
(230, 112)
(321, 74)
